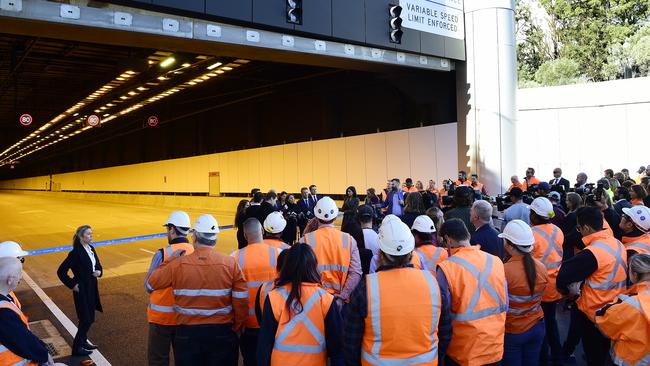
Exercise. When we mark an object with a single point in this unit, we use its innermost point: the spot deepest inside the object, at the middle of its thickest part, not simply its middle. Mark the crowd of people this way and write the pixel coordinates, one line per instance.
(413, 276)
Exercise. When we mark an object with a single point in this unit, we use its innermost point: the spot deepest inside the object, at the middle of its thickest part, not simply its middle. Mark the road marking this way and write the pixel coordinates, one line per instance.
(147, 251)
(96, 356)
(31, 212)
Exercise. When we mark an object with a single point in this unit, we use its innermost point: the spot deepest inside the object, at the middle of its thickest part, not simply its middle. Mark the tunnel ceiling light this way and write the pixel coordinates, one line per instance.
(167, 62)
(214, 65)
(187, 64)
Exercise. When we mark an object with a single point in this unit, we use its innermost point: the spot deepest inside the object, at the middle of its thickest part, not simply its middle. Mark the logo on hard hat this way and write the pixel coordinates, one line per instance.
(399, 248)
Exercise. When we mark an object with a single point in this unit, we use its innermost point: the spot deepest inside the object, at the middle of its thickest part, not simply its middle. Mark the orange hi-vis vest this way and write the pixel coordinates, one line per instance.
(258, 262)
(390, 337)
(161, 302)
(16, 301)
(640, 244)
(548, 249)
(263, 292)
(430, 256)
(609, 279)
(276, 243)
(334, 251)
(6, 356)
(465, 183)
(627, 324)
(524, 308)
(300, 338)
(478, 305)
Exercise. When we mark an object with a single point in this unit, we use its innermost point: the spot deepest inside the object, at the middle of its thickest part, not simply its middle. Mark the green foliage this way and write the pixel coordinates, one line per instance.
(532, 52)
(558, 72)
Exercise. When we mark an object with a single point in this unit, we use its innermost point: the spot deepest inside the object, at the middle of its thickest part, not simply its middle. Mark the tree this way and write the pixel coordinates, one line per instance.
(532, 49)
(558, 72)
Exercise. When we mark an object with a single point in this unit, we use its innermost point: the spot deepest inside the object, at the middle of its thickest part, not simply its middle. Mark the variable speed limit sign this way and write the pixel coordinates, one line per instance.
(93, 120)
(26, 119)
(152, 121)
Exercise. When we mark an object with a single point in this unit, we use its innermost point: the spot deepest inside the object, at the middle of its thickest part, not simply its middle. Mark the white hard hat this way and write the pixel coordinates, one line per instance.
(206, 224)
(543, 207)
(395, 238)
(181, 220)
(389, 218)
(275, 223)
(424, 224)
(11, 249)
(326, 209)
(640, 216)
(519, 233)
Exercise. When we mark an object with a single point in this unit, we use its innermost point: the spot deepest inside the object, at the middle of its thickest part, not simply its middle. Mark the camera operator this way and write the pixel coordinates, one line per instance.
(518, 210)
(604, 182)
(621, 199)
(601, 200)
(572, 238)
(530, 179)
(463, 199)
(543, 189)
(559, 181)
(581, 182)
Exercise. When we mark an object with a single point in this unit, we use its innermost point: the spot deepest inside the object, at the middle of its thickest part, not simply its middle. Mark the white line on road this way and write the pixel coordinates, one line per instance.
(31, 212)
(147, 251)
(96, 356)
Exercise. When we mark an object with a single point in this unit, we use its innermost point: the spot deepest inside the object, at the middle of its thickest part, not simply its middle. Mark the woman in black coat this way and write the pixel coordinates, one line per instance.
(350, 206)
(86, 268)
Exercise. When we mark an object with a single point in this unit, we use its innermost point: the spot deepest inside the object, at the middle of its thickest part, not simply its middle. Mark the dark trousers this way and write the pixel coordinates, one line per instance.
(552, 337)
(595, 345)
(82, 335)
(573, 335)
(161, 339)
(248, 346)
(523, 349)
(206, 345)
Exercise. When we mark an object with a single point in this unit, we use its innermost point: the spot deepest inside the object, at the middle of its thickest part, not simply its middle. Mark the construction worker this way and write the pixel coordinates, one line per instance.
(337, 252)
(160, 312)
(408, 186)
(462, 179)
(274, 225)
(300, 324)
(527, 279)
(210, 299)
(627, 321)
(548, 249)
(602, 267)
(477, 186)
(635, 223)
(515, 183)
(475, 282)
(397, 315)
(375, 262)
(530, 179)
(257, 261)
(18, 345)
(13, 250)
(430, 254)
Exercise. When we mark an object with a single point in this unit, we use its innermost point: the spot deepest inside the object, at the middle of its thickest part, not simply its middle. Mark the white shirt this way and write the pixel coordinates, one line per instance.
(371, 240)
(91, 255)
(557, 181)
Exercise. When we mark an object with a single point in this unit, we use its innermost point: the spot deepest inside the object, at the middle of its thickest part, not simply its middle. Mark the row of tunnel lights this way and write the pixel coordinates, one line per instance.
(73, 111)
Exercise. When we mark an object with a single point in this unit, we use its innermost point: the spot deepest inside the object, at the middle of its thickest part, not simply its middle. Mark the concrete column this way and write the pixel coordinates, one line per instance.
(486, 87)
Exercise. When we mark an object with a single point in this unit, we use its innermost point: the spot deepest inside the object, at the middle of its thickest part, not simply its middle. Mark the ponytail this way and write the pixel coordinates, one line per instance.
(531, 272)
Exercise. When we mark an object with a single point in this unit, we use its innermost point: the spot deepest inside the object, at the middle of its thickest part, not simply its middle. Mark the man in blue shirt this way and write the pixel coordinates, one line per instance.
(485, 235)
(518, 211)
(395, 200)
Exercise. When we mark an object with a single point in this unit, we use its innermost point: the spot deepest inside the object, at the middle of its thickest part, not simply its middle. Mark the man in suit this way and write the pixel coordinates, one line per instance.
(305, 209)
(254, 210)
(559, 181)
(313, 197)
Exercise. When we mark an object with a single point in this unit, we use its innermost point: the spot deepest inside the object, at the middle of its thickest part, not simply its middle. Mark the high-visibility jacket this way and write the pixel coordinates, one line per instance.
(257, 261)
(430, 256)
(517, 185)
(609, 279)
(333, 250)
(639, 244)
(208, 287)
(627, 324)
(389, 336)
(412, 189)
(6, 356)
(607, 228)
(461, 183)
(524, 310)
(300, 339)
(16, 301)
(530, 182)
(276, 243)
(548, 249)
(262, 293)
(161, 302)
(478, 305)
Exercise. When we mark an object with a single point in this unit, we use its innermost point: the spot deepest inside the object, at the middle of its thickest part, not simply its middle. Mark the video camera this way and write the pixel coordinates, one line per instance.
(504, 202)
(584, 190)
(597, 194)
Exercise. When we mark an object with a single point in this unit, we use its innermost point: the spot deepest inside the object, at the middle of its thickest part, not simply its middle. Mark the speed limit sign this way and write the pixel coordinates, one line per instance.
(152, 121)
(25, 119)
(93, 120)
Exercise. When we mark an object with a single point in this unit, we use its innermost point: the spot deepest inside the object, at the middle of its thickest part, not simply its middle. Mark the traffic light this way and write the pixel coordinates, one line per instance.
(396, 32)
(294, 12)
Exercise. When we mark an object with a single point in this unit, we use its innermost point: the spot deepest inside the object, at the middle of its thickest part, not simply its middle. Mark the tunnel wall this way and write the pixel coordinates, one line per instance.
(363, 161)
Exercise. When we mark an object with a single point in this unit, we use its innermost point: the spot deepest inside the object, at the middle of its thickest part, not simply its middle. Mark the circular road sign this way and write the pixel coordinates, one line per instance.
(26, 119)
(93, 120)
(152, 121)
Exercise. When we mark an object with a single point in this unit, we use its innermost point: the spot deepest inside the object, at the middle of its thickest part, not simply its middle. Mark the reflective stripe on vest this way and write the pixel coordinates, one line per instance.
(375, 306)
(201, 292)
(482, 277)
(524, 299)
(311, 240)
(9, 356)
(332, 267)
(203, 312)
(645, 360)
(644, 248)
(427, 263)
(272, 259)
(551, 246)
(162, 309)
(609, 284)
(303, 319)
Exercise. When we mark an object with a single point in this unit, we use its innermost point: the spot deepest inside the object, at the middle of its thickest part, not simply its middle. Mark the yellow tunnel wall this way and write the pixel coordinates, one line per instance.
(362, 161)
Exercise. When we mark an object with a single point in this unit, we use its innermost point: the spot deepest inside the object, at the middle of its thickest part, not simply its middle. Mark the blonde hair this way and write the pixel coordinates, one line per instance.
(640, 266)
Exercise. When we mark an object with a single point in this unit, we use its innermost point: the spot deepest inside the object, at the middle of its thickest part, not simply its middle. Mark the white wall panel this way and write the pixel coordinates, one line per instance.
(355, 158)
(290, 168)
(375, 153)
(305, 168)
(321, 165)
(423, 162)
(398, 163)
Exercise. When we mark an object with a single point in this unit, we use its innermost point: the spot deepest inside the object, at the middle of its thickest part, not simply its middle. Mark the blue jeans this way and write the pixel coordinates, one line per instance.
(524, 348)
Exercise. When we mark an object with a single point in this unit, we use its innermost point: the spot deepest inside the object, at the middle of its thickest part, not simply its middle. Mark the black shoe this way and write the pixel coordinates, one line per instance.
(89, 347)
(80, 352)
